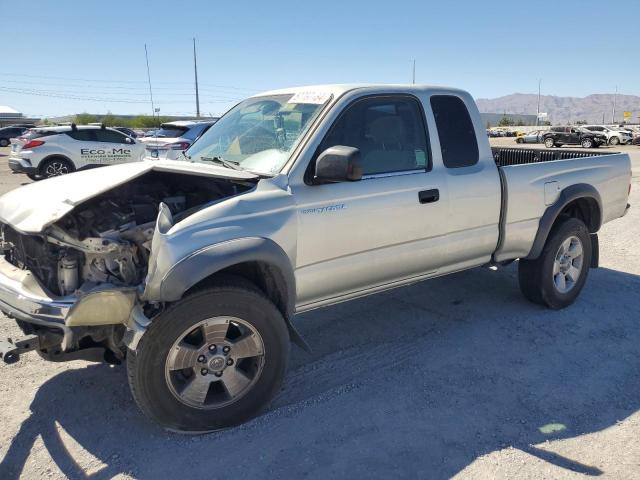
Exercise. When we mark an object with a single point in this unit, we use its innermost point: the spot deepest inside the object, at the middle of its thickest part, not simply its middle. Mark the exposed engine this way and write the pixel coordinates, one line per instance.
(108, 238)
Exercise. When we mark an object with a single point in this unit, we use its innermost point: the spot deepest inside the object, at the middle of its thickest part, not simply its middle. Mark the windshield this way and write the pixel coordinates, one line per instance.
(260, 133)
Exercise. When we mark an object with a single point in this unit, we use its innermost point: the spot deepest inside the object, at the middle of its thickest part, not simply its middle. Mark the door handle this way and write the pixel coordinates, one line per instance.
(429, 196)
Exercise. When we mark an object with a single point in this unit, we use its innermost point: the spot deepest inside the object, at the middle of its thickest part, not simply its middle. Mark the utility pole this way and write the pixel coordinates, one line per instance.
(538, 109)
(413, 77)
(146, 55)
(613, 113)
(195, 71)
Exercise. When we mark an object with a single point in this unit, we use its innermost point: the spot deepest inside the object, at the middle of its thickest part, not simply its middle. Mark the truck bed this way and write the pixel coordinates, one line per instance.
(532, 180)
(506, 156)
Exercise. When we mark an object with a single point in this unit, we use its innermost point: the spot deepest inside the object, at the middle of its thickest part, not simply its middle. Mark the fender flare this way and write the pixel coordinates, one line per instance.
(568, 195)
(214, 258)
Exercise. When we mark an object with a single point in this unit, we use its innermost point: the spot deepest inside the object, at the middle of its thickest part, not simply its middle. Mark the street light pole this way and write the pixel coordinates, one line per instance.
(538, 109)
(613, 113)
(146, 56)
(195, 70)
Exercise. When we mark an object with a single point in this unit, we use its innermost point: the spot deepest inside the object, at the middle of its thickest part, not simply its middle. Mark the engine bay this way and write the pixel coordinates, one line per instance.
(107, 239)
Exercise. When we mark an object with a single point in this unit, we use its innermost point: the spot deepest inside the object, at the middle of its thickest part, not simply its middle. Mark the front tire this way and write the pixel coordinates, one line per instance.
(587, 143)
(212, 360)
(557, 276)
(549, 142)
(614, 141)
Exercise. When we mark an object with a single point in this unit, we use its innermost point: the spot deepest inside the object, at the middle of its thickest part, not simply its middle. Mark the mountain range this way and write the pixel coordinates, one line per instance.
(591, 109)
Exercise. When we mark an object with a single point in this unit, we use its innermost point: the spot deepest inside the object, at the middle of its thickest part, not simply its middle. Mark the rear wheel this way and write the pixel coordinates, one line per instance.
(519, 140)
(549, 142)
(556, 278)
(54, 167)
(4, 142)
(587, 143)
(213, 360)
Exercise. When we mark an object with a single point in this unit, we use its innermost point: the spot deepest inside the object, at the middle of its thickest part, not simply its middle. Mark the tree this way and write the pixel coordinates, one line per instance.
(84, 118)
(505, 122)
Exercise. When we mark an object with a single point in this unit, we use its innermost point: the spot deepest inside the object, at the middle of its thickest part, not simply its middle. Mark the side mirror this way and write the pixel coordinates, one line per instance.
(338, 164)
(128, 139)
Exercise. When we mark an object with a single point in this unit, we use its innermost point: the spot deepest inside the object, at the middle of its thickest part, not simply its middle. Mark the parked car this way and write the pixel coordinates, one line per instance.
(558, 136)
(173, 138)
(537, 136)
(7, 133)
(296, 199)
(615, 136)
(52, 151)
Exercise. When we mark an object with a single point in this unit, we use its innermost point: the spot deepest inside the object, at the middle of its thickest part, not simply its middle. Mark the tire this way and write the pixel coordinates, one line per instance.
(54, 167)
(540, 283)
(4, 142)
(586, 143)
(161, 389)
(519, 140)
(33, 176)
(549, 142)
(614, 141)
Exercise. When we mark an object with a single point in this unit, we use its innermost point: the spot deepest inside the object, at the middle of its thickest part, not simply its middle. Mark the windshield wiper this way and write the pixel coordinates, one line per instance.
(223, 162)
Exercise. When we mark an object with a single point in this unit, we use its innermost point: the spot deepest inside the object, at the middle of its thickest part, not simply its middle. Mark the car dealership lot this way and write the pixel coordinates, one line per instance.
(458, 375)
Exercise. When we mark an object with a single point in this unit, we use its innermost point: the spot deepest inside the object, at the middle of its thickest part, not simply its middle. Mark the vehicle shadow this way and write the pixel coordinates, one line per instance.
(417, 382)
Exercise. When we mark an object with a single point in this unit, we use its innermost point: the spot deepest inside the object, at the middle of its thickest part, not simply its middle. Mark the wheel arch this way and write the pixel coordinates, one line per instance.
(259, 260)
(54, 156)
(580, 201)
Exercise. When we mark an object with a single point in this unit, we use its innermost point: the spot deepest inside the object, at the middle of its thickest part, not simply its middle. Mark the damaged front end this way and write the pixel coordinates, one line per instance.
(76, 287)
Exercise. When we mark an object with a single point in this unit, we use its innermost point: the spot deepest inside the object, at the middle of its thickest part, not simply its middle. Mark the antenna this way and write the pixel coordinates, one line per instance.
(195, 71)
(146, 56)
(414, 72)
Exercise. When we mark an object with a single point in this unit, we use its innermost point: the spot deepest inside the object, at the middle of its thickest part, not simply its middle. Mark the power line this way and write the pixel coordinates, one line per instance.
(101, 80)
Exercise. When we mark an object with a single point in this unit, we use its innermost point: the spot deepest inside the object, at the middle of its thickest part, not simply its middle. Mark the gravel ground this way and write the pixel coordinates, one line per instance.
(457, 376)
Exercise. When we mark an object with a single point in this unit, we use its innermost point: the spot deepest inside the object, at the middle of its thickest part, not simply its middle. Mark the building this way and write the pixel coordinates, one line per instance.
(10, 116)
(493, 119)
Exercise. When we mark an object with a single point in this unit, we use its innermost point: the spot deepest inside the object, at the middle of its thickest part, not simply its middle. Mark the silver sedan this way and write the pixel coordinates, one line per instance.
(531, 137)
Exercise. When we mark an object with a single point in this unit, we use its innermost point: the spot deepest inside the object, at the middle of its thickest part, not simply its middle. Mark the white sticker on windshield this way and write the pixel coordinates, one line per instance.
(316, 98)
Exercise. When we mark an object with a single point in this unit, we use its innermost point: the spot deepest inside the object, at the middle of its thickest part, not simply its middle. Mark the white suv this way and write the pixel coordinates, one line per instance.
(175, 137)
(52, 151)
(614, 137)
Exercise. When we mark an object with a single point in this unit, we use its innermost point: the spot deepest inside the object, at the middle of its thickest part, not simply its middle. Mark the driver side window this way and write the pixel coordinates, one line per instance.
(389, 132)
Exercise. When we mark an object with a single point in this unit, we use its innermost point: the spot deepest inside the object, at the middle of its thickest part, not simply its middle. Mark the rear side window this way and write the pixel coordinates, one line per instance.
(109, 136)
(455, 130)
(84, 135)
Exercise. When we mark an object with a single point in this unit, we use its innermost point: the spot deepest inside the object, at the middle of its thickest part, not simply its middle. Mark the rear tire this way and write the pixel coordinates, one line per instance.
(566, 254)
(167, 363)
(549, 142)
(519, 140)
(4, 142)
(54, 167)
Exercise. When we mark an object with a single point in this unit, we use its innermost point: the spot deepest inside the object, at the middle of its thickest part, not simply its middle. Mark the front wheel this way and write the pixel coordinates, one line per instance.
(557, 276)
(549, 142)
(587, 143)
(212, 360)
(614, 141)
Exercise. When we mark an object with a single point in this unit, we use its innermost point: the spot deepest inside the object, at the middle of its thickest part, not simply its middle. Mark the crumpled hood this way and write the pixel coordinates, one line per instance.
(32, 208)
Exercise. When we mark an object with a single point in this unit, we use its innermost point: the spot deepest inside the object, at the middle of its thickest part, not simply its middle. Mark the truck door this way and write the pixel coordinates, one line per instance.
(385, 228)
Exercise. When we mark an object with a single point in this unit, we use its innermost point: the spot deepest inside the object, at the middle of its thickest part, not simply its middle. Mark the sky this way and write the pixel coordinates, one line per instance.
(67, 57)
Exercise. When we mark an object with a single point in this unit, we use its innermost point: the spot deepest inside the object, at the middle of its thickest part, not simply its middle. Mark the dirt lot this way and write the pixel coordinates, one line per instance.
(454, 376)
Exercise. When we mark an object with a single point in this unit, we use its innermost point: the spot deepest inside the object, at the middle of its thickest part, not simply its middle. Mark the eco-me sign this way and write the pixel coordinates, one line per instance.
(99, 155)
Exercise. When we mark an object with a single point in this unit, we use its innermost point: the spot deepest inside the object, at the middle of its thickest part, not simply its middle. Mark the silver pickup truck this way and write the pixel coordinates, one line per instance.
(295, 199)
